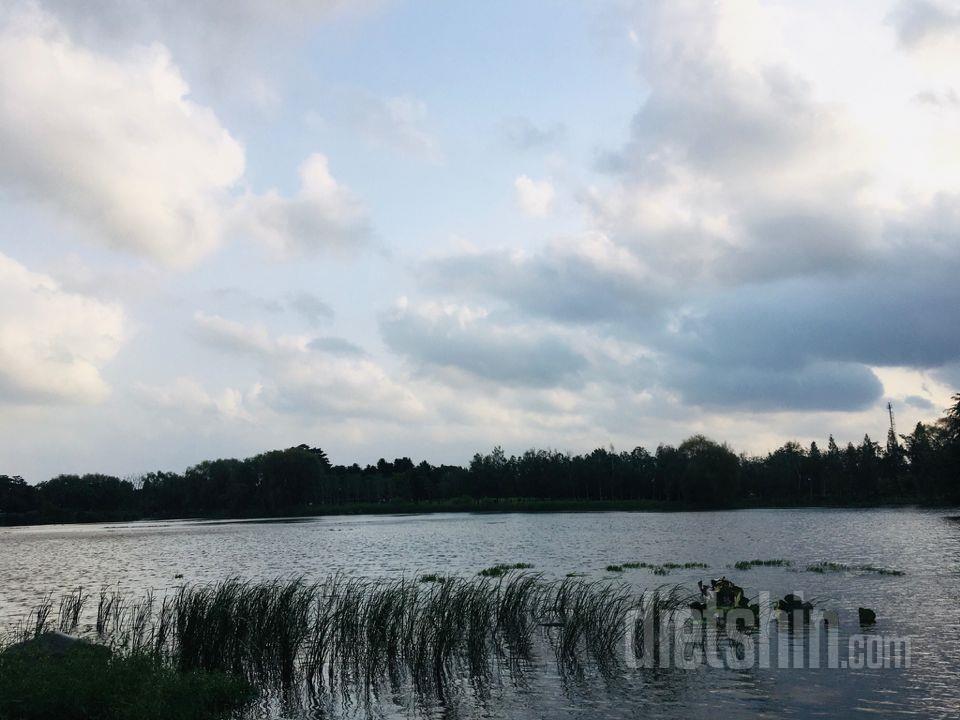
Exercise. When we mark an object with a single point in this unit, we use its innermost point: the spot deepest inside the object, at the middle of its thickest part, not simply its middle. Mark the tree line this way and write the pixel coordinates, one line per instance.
(922, 466)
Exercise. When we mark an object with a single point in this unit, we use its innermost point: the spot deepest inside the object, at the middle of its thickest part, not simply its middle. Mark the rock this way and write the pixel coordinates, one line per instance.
(54, 644)
(867, 616)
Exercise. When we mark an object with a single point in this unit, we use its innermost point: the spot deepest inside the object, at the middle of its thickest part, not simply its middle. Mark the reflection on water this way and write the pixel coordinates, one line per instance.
(920, 604)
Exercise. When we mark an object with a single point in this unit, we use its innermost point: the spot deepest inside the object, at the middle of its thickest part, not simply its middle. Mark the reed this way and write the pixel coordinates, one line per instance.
(350, 635)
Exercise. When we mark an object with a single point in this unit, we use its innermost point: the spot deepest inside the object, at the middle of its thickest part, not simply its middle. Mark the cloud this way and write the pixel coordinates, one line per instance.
(228, 45)
(322, 215)
(814, 386)
(186, 395)
(231, 336)
(584, 279)
(311, 308)
(919, 402)
(338, 386)
(397, 123)
(327, 378)
(336, 346)
(53, 343)
(919, 21)
(534, 197)
(520, 133)
(764, 237)
(470, 341)
(113, 143)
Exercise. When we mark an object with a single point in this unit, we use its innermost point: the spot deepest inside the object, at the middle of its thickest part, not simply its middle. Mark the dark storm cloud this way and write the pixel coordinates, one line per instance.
(799, 343)
(895, 313)
(818, 386)
(480, 347)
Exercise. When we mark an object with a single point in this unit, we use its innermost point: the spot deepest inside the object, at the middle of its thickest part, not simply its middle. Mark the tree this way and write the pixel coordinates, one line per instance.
(15, 495)
(711, 472)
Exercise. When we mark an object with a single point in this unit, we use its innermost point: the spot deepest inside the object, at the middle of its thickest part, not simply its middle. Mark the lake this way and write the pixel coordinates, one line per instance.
(919, 605)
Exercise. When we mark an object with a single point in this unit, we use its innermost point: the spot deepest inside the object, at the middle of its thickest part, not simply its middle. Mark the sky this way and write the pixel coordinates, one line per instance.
(398, 228)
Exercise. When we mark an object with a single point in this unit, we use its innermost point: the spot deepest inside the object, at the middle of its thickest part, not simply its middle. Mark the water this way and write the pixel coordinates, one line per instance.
(920, 605)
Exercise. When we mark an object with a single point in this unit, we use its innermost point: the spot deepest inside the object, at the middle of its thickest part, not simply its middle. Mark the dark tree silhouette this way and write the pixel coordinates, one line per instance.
(698, 473)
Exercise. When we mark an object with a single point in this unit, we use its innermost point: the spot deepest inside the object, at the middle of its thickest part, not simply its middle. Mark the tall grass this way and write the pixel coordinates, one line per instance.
(351, 634)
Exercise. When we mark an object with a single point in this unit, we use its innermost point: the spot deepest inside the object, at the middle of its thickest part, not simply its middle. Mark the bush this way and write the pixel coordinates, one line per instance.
(86, 683)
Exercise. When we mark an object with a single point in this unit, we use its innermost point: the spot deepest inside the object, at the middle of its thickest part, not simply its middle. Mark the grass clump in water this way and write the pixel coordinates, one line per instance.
(748, 564)
(686, 566)
(825, 567)
(615, 568)
(88, 682)
(665, 568)
(502, 569)
(433, 578)
(348, 636)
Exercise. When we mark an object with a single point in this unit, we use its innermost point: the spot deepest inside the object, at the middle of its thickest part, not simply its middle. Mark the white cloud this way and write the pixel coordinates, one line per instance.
(231, 48)
(113, 143)
(300, 375)
(186, 395)
(53, 344)
(534, 197)
(323, 214)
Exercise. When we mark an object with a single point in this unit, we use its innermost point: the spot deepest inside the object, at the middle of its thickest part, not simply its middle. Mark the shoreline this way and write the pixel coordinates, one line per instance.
(517, 505)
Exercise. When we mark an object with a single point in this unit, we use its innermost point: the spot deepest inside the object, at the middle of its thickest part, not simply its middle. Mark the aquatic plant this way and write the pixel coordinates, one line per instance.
(432, 577)
(665, 568)
(349, 635)
(501, 570)
(615, 568)
(825, 567)
(748, 564)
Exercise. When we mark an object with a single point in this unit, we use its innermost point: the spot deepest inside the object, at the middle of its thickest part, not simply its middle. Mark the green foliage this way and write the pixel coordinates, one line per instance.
(615, 568)
(825, 567)
(433, 577)
(83, 684)
(665, 568)
(501, 570)
(748, 564)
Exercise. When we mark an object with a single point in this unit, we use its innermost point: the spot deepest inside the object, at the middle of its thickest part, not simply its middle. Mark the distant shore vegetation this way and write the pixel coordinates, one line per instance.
(922, 466)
